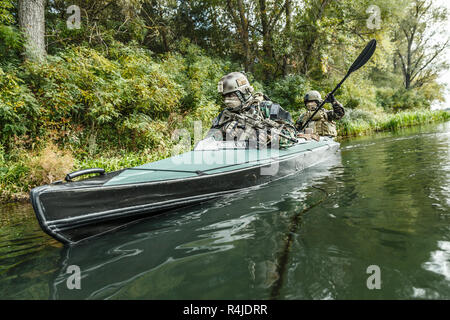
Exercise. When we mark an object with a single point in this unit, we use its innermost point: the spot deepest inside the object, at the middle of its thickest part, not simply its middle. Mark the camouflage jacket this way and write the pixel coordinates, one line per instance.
(323, 123)
(254, 122)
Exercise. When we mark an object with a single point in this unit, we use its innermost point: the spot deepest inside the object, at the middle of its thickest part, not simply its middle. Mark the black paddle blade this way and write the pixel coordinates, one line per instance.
(365, 55)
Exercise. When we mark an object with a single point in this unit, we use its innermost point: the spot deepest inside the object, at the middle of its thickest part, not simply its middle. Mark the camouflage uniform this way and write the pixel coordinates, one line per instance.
(323, 123)
(254, 121)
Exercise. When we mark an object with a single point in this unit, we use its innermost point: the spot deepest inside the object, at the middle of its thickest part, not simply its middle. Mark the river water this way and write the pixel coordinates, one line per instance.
(383, 201)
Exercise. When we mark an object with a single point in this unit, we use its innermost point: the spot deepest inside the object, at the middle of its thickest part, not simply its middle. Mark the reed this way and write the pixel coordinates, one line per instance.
(362, 123)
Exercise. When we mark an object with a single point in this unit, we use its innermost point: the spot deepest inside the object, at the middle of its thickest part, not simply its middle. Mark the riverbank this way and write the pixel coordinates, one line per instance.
(23, 169)
(361, 122)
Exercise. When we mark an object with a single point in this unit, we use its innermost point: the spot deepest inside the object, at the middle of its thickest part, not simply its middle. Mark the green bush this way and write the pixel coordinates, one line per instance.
(122, 98)
(18, 108)
(198, 74)
(357, 92)
(11, 44)
(401, 99)
(289, 91)
(6, 7)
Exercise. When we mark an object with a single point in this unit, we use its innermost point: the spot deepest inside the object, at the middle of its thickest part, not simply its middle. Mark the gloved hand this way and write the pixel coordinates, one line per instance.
(330, 98)
(338, 110)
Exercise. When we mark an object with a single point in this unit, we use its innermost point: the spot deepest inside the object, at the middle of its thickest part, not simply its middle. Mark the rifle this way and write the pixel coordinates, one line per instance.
(261, 124)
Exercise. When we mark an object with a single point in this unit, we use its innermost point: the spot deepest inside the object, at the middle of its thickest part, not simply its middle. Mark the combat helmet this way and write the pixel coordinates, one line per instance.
(312, 96)
(238, 83)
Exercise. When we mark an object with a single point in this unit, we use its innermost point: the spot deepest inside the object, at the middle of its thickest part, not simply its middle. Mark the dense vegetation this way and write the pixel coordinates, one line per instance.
(113, 92)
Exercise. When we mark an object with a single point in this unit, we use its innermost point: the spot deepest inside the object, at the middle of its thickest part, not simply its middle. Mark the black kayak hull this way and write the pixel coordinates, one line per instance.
(76, 211)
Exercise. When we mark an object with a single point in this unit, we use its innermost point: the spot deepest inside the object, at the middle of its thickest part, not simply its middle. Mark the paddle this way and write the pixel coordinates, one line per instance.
(364, 56)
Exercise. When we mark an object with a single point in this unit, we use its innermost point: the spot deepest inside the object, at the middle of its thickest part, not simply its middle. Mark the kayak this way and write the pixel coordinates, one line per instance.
(75, 211)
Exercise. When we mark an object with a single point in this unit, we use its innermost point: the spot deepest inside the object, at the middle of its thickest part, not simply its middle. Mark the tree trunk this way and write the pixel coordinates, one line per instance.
(407, 81)
(244, 34)
(32, 23)
(287, 32)
(265, 30)
(313, 37)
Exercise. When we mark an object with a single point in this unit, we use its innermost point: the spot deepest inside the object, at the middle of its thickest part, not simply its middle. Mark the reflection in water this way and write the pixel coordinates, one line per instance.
(388, 204)
(440, 260)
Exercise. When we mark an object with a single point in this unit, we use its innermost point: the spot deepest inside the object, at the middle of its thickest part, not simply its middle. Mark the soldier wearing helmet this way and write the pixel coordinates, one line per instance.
(235, 89)
(248, 116)
(323, 123)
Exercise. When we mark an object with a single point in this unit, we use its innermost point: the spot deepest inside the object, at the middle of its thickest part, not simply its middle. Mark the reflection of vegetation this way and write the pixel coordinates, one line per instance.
(28, 257)
(283, 259)
(388, 206)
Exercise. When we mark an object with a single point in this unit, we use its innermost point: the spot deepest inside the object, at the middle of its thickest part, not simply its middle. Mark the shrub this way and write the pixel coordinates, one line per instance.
(357, 93)
(11, 43)
(18, 108)
(121, 97)
(50, 164)
(401, 99)
(289, 91)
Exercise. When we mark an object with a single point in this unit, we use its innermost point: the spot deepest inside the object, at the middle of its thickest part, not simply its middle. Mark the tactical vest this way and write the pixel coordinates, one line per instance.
(253, 122)
(320, 123)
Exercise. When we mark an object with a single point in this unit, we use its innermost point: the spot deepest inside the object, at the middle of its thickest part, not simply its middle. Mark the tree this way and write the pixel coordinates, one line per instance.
(270, 13)
(417, 48)
(314, 13)
(32, 23)
(240, 13)
(287, 32)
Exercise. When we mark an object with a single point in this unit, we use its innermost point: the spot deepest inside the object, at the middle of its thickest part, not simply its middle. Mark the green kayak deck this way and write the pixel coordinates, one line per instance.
(195, 163)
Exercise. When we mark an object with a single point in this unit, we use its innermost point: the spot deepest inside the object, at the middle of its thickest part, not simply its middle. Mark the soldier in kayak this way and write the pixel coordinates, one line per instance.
(250, 116)
(323, 123)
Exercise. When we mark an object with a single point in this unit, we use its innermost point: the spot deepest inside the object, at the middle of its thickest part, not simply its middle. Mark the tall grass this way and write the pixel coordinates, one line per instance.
(359, 122)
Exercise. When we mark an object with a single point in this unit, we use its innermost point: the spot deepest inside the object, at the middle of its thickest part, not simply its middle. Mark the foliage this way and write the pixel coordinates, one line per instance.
(124, 97)
(289, 91)
(6, 16)
(123, 93)
(11, 42)
(357, 122)
(18, 107)
(402, 99)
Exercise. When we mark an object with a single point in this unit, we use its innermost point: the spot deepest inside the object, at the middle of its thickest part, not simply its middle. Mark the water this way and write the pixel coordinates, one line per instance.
(384, 200)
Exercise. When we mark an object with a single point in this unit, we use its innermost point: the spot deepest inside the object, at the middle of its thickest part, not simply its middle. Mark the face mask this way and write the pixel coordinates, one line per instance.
(311, 105)
(232, 101)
